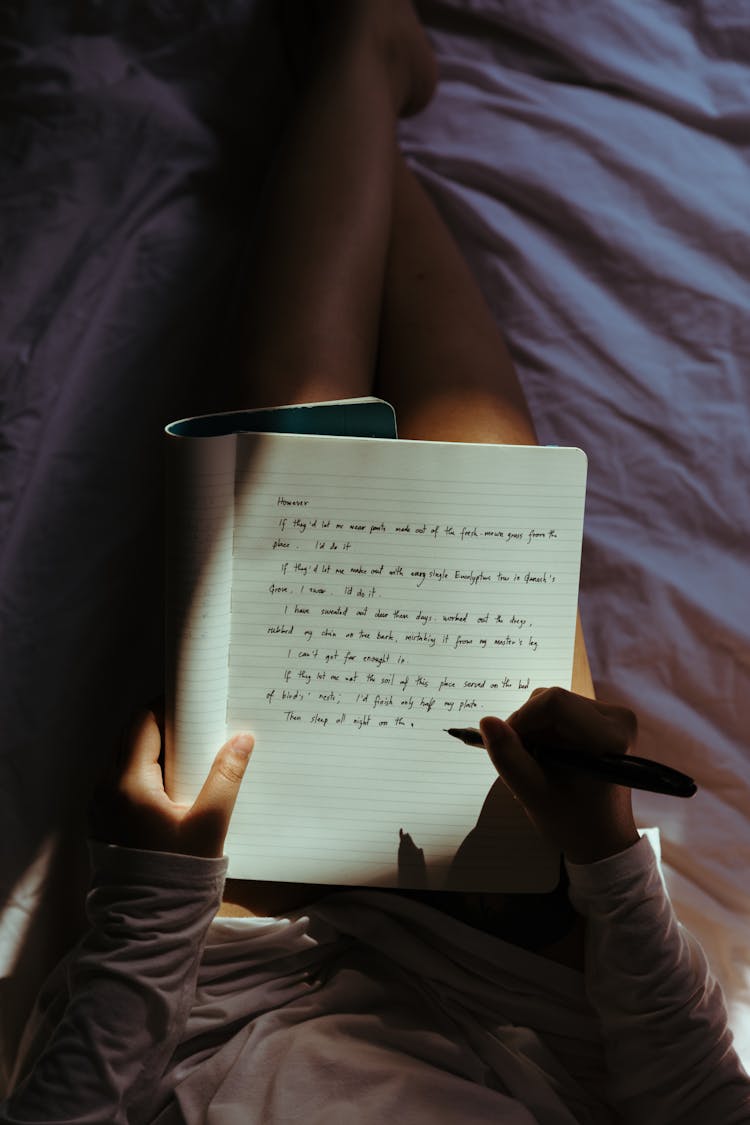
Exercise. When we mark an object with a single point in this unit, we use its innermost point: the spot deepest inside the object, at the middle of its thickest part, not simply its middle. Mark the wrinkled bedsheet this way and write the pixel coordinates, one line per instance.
(593, 162)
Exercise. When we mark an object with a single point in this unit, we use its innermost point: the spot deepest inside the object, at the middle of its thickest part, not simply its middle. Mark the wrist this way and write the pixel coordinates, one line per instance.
(591, 849)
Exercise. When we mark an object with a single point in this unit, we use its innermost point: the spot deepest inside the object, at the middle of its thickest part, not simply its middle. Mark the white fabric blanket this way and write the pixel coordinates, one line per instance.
(367, 1006)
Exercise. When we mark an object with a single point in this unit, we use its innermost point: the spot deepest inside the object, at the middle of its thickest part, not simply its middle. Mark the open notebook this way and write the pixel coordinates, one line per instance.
(346, 599)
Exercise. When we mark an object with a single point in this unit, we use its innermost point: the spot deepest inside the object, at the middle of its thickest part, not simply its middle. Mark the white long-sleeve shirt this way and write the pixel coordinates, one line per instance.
(368, 1006)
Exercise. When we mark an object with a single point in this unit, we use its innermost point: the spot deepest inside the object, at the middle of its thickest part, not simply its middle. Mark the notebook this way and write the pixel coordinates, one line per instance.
(347, 596)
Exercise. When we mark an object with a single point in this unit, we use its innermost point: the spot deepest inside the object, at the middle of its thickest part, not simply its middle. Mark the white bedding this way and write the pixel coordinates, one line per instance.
(593, 162)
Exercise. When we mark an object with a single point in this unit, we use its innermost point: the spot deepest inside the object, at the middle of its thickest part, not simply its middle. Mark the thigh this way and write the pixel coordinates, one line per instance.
(442, 362)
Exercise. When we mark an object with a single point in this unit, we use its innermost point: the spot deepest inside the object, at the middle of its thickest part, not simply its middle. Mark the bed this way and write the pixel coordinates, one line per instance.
(592, 161)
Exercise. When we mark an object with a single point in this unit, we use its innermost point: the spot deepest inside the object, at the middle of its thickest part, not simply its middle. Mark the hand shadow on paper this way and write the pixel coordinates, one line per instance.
(502, 822)
(412, 869)
(488, 835)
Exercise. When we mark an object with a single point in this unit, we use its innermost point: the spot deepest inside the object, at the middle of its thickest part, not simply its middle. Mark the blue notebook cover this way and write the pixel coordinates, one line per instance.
(364, 417)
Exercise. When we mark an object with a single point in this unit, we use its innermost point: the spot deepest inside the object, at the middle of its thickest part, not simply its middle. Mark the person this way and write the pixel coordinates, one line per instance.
(362, 1004)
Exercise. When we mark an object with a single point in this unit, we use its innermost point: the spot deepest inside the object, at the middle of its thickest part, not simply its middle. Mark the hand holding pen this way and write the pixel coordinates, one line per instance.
(631, 771)
(587, 814)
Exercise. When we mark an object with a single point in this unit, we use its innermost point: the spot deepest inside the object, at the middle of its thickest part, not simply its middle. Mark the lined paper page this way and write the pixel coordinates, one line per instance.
(383, 591)
(200, 522)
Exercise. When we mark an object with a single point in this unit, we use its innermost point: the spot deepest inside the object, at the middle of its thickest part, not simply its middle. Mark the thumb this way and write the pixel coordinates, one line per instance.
(205, 825)
(515, 765)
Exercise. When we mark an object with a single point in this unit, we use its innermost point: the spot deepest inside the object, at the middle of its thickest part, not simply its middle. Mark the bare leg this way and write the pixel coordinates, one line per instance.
(443, 362)
(312, 318)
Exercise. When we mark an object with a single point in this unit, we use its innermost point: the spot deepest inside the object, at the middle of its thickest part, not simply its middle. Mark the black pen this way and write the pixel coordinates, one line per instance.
(620, 769)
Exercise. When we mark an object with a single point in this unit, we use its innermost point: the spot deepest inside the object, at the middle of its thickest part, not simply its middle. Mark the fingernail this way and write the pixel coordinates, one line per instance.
(243, 744)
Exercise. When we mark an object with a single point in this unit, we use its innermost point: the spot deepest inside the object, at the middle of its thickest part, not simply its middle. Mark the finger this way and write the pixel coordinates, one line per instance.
(572, 721)
(517, 768)
(610, 719)
(206, 824)
(537, 691)
(135, 785)
(157, 706)
(627, 719)
(142, 745)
